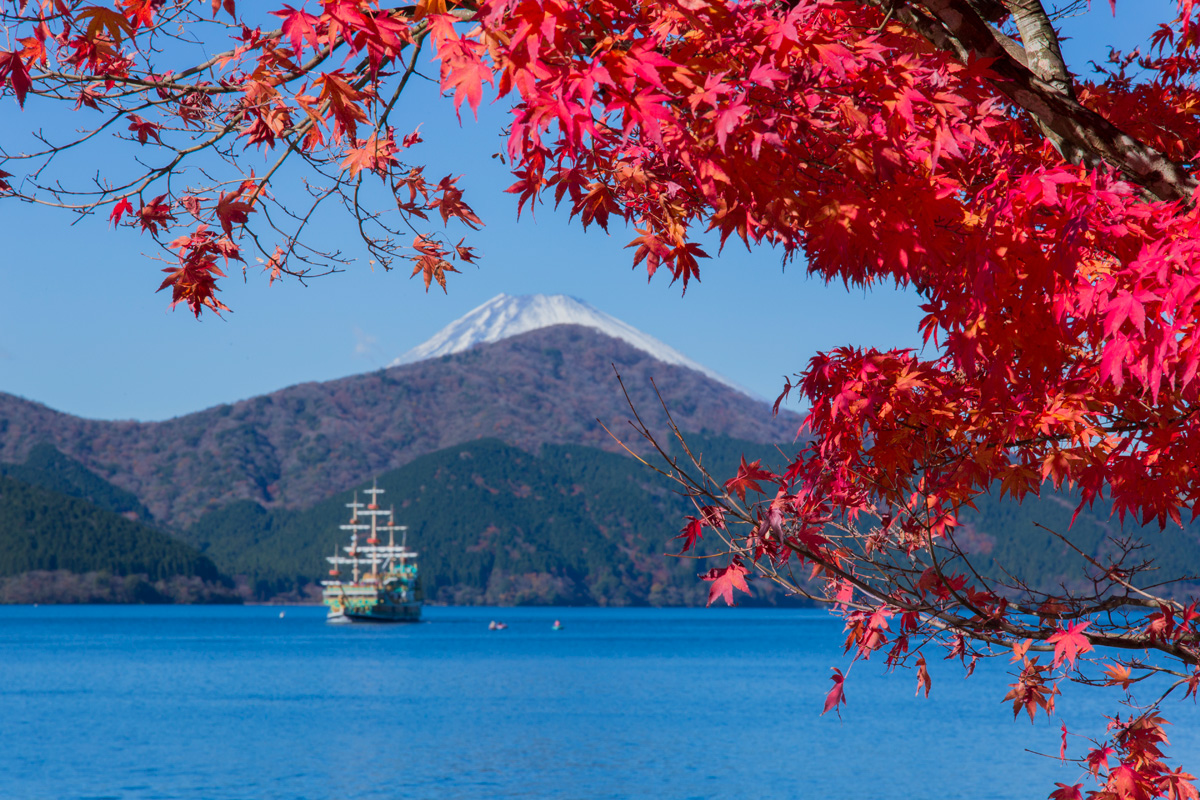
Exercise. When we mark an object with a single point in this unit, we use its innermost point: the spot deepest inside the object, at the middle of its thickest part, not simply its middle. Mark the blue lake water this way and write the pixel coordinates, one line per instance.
(217, 702)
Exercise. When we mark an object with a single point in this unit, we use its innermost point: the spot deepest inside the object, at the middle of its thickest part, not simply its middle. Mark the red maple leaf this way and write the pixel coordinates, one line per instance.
(724, 581)
(232, 209)
(154, 214)
(1070, 643)
(122, 207)
(837, 695)
(1030, 692)
(1193, 683)
(343, 102)
(88, 98)
(1098, 759)
(430, 260)
(412, 138)
(104, 23)
(14, 71)
(747, 478)
(140, 12)
(923, 680)
(144, 129)
(1161, 624)
(450, 204)
(463, 70)
(466, 254)
(692, 531)
(1065, 792)
(34, 51)
(1180, 785)
(1129, 783)
(194, 282)
(298, 26)
(713, 516)
(1020, 649)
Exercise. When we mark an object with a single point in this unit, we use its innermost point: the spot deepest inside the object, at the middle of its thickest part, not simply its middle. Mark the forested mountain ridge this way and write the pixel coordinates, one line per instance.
(495, 524)
(294, 446)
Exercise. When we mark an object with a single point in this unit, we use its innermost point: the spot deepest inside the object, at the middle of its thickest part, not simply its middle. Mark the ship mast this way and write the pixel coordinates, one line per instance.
(373, 510)
(354, 527)
(391, 526)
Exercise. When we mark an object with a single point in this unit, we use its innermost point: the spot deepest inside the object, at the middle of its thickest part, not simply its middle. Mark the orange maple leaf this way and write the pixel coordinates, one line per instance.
(374, 154)
(430, 260)
(342, 101)
(1117, 676)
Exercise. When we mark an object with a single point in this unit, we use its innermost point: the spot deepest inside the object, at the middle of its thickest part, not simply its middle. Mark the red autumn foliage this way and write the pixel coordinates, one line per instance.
(724, 580)
(1047, 223)
(431, 262)
(692, 530)
(923, 679)
(747, 479)
(837, 695)
(1069, 644)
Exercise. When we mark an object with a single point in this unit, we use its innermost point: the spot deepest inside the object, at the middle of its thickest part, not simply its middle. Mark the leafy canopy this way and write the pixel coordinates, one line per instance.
(1047, 223)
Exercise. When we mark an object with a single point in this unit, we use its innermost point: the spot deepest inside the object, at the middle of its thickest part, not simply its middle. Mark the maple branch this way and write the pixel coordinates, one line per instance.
(1112, 574)
(1040, 52)
(1043, 55)
(980, 626)
(409, 71)
(954, 26)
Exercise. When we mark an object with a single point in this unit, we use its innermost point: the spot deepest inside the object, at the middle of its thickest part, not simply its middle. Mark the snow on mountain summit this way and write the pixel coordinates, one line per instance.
(508, 315)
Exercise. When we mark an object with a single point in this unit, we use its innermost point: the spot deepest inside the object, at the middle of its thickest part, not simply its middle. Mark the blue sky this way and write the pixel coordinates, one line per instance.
(82, 330)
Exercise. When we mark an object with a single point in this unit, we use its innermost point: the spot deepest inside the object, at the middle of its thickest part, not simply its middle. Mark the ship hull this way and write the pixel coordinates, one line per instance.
(409, 613)
(359, 604)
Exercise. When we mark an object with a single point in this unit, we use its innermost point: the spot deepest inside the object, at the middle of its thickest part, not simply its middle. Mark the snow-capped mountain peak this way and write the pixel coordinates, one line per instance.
(508, 315)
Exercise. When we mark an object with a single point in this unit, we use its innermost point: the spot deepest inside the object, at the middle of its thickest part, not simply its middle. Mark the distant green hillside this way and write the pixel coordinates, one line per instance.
(575, 525)
(69, 536)
(494, 524)
(46, 467)
(1003, 533)
(45, 530)
(1005, 540)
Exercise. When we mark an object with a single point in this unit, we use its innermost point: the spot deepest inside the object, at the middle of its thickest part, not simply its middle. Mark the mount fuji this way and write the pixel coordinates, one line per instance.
(524, 371)
(508, 315)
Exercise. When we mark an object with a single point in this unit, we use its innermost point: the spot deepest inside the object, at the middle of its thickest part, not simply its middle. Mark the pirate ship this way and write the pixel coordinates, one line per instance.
(383, 585)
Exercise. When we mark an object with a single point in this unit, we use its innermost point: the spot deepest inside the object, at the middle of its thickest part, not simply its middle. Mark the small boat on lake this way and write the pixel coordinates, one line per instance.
(383, 585)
